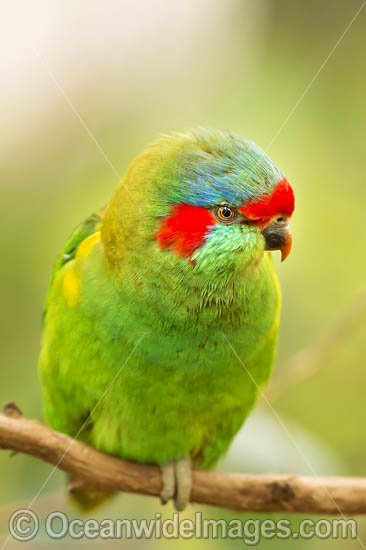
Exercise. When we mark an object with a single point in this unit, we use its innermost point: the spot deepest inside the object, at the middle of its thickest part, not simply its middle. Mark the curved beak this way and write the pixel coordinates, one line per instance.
(278, 237)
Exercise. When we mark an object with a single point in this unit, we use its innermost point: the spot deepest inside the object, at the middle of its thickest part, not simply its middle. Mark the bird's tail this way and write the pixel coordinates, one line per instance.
(86, 499)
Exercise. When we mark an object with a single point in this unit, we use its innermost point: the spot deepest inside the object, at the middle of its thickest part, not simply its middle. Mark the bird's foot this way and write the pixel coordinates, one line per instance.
(177, 482)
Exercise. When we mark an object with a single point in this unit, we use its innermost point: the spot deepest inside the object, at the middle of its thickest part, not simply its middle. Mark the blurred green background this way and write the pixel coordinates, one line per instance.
(132, 70)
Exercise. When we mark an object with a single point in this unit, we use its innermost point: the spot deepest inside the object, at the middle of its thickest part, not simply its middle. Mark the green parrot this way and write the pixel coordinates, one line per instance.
(151, 295)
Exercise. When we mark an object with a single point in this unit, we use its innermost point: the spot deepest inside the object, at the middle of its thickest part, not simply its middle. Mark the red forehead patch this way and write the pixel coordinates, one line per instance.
(185, 229)
(281, 201)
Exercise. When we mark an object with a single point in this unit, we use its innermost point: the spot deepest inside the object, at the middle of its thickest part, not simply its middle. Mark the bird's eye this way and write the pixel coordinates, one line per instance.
(225, 213)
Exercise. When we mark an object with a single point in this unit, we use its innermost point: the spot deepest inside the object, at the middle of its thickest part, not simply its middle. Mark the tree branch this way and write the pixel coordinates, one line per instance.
(242, 492)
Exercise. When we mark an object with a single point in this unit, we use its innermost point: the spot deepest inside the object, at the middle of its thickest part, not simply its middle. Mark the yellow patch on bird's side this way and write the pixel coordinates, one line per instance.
(87, 244)
(278, 307)
(71, 287)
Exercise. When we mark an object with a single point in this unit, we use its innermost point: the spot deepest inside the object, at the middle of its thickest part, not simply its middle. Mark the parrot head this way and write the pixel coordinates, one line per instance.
(208, 199)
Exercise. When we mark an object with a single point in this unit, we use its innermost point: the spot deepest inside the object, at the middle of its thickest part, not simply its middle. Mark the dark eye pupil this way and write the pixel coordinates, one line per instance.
(226, 212)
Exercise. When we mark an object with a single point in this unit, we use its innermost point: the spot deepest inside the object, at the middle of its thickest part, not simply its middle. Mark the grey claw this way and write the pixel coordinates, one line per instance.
(168, 478)
(177, 482)
(183, 479)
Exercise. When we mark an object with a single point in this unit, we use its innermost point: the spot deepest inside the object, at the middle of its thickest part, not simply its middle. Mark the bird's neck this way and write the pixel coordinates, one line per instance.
(181, 295)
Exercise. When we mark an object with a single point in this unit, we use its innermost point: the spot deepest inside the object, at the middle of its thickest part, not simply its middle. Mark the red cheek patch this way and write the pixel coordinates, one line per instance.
(185, 229)
(281, 201)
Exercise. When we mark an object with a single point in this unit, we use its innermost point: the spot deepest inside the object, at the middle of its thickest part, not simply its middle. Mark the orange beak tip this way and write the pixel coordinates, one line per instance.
(286, 247)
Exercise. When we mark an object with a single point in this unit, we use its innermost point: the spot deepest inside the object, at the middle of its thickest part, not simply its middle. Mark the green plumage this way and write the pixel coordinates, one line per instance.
(134, 341)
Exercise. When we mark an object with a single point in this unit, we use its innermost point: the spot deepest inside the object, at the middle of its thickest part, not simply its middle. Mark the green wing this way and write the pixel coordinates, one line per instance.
(68, 253)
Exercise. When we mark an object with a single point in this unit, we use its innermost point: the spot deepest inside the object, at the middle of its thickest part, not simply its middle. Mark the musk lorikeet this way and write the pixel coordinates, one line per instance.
(148, 292)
